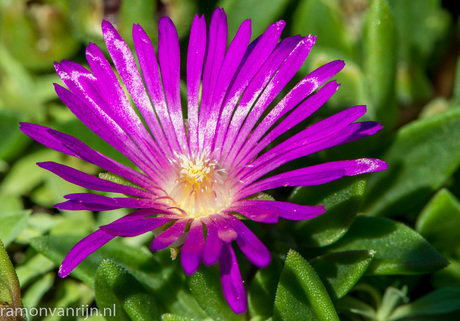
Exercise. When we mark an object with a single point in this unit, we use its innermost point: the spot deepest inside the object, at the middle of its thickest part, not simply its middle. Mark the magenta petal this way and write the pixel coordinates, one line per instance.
(169, 58)
(265, 214)
(88, 181)
(251, 246)
(285, 210)
(89, 200)
(309, 179)
(282, 73)
(41, 135)
(215, 52)
(127, 68)
(225, 232)
(230, 278)
(195, 58)
(82, 249)
(190, 254)
(70, 145)
(149, 66)
(314, 175)
(102, 125)
(302, 90)
(305, 109)
(166, 238)
(137, 223)
(97, 239)
(256, 57)
(213, 244)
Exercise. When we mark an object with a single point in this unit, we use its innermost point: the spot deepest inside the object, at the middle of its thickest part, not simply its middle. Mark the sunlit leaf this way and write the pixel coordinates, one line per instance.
(301, 295)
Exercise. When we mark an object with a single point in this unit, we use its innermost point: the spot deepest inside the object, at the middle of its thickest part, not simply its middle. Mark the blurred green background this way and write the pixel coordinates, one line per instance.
(401, 61)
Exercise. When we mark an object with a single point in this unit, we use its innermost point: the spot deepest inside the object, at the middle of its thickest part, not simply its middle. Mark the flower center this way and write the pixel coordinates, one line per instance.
(198, 189)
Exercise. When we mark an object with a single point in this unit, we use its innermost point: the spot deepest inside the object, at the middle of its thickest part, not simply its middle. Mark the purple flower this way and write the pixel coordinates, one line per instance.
(197, 170)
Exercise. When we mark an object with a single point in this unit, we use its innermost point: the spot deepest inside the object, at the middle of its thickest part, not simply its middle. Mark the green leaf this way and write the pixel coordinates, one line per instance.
(351, 80)
(420, 159)
(43, 40)
(9, 284)
(380, 63)
(439, 222)
(25, 175)
(38, 289)
(301, 295)
(157, 272)
(398, 249)
(350, 306)
(341, 270)
(10, 204)
(239, 10)
(441, 301)
(450, 276)
(324, 19)
(36, 266)
(420, 27)
(262, 292)
(341, 199)
(117, 288)
(207, 290)
(456, 98)
(392, 298)
(174, 317)
(11, 224)
(13, 141)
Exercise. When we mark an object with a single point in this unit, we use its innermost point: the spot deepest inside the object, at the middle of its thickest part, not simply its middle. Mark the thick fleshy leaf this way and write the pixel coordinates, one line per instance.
(238, 10)
(117, 289)
(38, 289)
(35, 267)
(380, 63)
(439, 222)
(436, 304)
(341, 199)
(174, 317)
(206, 289)
(12, 141)
(301, 295)
(448, 276)
(423, 155)
(398, 249)
(340, 271)
(262, 291)
(324, 19)
(11, 224)
(23, 176)
(10, 291)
